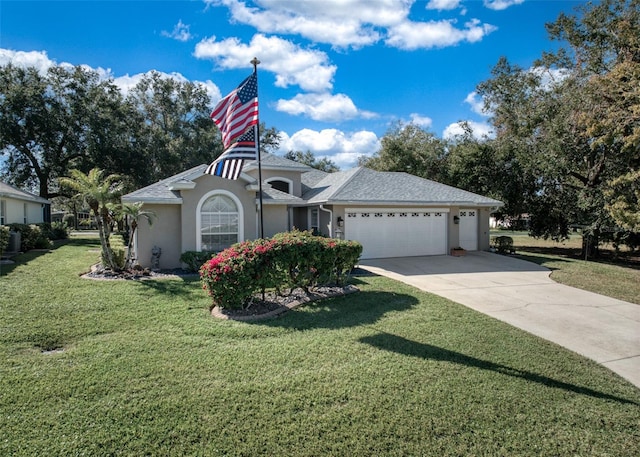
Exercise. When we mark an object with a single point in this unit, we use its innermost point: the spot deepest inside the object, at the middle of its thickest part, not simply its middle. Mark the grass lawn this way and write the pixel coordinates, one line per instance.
(618, 280)
(140, 368)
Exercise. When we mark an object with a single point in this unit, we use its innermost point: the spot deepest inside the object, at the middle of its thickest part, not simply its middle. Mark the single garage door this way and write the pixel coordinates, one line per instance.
(397, 232)
(469, 229)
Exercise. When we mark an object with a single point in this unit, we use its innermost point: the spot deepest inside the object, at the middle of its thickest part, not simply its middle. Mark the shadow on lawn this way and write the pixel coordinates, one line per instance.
(400, 345)
(23, 258)
(342, 312)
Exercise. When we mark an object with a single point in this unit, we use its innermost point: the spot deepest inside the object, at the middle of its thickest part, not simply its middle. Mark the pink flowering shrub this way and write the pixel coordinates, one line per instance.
(286, 261)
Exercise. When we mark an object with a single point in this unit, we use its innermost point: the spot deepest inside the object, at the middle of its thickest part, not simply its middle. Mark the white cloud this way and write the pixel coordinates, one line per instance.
(292, 65)
(443, 4)
(22, 59)
(41, 61)
(436, 34)
(342, 148)
(549, 77)
(480, 130)
(499, 5)
(476, 103)
(327, 21)
(421, 121)
(322, 107)
(180, 32)
(334, 22)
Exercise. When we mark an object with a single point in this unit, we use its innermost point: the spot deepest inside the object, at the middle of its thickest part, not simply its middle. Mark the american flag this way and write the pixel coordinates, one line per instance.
(238, 111)
(229, 164)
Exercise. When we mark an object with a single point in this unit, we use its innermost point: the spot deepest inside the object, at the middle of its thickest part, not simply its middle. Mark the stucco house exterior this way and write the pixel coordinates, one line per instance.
(20, 207)
(392, 214)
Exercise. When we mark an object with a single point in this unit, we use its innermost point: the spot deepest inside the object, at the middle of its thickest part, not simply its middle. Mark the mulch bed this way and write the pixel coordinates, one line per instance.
(274, 305)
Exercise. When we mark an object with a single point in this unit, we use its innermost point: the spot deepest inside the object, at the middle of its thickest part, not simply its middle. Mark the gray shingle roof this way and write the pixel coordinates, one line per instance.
(359, 185)
(364, 186)
(9, 191)
(159, 192)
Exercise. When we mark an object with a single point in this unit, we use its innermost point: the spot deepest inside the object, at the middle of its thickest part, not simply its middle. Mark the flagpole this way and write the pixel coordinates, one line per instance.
(255, 63)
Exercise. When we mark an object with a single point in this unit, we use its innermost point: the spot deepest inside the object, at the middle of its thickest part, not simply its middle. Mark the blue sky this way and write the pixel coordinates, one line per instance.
(335, 74)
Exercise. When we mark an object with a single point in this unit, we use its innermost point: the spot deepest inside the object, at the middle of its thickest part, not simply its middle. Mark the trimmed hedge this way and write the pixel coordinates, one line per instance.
(503, 244)
(31, 237)
(4, 238)
(287, 261)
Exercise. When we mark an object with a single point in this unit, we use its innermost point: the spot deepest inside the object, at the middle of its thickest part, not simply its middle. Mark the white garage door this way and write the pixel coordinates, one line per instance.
(397, 232)
(469, 229)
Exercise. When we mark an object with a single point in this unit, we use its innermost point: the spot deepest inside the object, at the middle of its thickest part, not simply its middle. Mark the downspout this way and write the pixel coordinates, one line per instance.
(330, 220)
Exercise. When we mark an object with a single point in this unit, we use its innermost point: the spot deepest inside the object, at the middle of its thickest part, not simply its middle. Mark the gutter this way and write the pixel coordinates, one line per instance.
(330, 219)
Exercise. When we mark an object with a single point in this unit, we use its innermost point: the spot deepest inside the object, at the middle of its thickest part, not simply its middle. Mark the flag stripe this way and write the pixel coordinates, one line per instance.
(229, 164)
(238, 111)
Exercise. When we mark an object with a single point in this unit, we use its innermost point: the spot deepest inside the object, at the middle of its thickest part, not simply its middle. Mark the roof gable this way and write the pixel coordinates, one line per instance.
(9, 191)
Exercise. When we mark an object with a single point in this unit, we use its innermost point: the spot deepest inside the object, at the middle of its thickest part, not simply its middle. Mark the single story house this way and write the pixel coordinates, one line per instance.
(392, 214)
(21, 207)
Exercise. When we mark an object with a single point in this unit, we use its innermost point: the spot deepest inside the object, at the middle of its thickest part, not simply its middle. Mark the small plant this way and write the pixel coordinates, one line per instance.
(503, 244)
(195, 259)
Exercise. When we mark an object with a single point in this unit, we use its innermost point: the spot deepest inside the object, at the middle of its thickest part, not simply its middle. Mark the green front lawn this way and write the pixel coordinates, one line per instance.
(140, 368)
(619, 280)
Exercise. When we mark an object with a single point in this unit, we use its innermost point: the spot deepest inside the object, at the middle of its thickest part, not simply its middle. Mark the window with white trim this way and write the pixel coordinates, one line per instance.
(314, 220)
(3, 212)
(218, 223)
(25, 212)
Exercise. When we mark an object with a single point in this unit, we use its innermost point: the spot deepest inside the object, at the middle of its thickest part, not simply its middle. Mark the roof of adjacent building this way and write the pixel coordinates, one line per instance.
(9, 191)
(361, 186)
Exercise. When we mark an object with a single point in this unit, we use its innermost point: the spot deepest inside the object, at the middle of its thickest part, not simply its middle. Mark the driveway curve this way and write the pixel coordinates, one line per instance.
(522, 294)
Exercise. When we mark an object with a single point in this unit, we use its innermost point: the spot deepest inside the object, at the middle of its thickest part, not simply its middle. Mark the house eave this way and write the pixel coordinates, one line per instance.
(153, 201)
(416, 203)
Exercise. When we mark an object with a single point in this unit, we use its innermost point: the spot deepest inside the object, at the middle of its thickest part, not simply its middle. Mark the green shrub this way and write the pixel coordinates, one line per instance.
(288, 260)
(55, 230)
(31, 237)
(195, 259)
(503, 244)
(4, 238)
(116, 241)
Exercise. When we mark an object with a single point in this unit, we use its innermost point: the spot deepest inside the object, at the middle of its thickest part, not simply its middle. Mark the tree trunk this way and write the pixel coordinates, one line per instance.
(103, 231)
(134, 225)
(590, 245)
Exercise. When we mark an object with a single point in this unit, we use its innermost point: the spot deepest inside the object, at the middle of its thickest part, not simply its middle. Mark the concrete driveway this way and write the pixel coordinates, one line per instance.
(522, 294)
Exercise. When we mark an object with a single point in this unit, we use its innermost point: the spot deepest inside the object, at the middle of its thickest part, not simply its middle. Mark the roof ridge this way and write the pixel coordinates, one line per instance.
(354, 172)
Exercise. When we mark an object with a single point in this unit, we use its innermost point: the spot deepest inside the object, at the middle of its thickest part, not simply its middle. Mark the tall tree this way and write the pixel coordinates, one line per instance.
(98, 192)
(573, 121)
(174, 128)
(411, 149)
(50, 123)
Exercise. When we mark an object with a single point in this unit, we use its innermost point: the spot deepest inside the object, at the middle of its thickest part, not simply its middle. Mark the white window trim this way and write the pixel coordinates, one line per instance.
(310, 218)
(288, 181)
(207, 196)
(3, 211)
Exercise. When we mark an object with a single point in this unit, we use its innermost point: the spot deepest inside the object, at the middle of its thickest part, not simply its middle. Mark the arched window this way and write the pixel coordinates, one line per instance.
(219, 223)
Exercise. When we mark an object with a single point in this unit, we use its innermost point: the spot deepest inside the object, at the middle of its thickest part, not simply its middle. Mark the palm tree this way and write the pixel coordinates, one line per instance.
(135, 212)
(97, 191)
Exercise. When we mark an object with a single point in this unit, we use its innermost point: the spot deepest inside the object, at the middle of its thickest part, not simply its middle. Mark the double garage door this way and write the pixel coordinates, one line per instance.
(397, 232)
